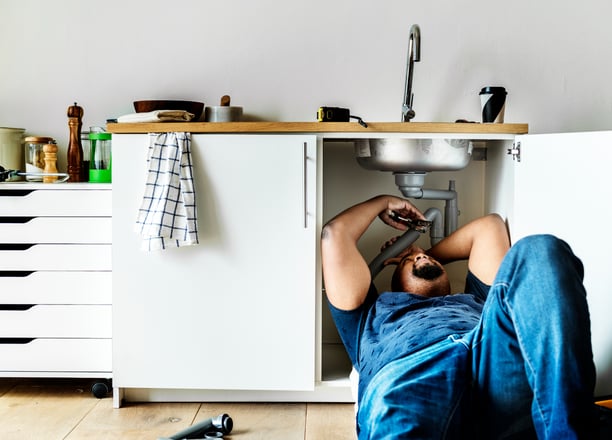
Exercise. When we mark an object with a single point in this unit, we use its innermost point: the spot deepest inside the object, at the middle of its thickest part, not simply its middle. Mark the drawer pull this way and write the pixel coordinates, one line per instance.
(16, 273)
(19, 220)
(15, 192)
(16, 246)
(16, 307)
(20, 341)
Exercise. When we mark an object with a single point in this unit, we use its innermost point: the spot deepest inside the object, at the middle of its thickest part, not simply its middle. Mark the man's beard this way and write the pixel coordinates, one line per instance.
(427, 271)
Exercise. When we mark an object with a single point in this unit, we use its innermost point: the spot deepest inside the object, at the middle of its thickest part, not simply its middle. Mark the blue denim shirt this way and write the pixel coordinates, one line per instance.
(392, 325)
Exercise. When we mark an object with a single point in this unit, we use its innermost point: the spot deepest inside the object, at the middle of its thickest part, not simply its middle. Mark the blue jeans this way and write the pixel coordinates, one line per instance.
(526, 370)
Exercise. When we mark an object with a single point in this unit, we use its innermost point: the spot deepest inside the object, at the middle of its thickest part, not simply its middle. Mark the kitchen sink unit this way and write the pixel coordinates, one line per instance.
(412, 155)
(242, 316)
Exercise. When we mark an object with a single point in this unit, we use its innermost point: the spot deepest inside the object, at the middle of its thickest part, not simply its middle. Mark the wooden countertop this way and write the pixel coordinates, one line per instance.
(318, 127)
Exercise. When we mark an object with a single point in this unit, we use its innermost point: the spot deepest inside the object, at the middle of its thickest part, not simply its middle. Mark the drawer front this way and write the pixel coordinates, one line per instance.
(55, 321)
(71, 287)
(56, 355)
(55, 257)
(55, 229)
(50, 202)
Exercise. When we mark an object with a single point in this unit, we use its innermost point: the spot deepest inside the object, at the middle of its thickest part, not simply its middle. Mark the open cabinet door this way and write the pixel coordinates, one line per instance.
(561, 187)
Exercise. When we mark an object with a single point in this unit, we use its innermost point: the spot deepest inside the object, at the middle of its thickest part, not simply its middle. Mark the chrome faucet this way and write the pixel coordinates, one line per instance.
(414, 55)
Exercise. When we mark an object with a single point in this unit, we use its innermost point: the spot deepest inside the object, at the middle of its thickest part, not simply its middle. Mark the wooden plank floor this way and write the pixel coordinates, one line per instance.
(53, 409)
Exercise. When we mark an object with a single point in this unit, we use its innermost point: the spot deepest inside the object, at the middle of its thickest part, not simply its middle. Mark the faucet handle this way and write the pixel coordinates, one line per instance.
(408, 115)
(407, 112)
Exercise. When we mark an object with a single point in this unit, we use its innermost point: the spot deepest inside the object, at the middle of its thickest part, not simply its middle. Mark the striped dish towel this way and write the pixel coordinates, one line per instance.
(167, 216)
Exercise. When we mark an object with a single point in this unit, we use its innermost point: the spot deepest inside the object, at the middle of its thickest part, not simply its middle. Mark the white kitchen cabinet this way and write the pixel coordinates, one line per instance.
(237, 311)
(55, 275)
(241, 316)
(559, 187)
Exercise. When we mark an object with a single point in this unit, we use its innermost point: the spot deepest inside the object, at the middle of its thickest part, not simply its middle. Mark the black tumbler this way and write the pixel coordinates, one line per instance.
(493, 101)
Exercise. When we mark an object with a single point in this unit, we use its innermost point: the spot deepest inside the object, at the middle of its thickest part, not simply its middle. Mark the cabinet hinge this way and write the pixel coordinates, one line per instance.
(515, 151)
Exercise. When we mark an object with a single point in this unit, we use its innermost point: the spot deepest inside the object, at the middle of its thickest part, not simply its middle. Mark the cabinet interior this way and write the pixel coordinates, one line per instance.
(345, 183)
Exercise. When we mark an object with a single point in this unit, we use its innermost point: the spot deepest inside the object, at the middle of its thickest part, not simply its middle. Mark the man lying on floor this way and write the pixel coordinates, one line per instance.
(509, 357)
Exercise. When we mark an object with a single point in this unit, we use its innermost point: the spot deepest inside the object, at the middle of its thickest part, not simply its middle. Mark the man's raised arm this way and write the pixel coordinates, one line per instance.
(346, 274)
(483, 242)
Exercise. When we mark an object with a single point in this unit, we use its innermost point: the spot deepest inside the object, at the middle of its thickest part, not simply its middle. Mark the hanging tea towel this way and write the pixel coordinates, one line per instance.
(167, 216)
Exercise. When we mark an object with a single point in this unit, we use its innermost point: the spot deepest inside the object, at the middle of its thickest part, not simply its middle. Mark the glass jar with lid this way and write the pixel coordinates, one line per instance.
(34, 156)
(11, 150)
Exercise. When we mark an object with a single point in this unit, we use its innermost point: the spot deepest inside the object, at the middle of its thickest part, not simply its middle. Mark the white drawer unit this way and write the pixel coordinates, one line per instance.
(56, 281)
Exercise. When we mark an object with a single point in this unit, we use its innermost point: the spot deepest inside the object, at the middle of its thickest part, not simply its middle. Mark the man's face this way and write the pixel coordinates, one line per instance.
(420, 274)
(427, 270)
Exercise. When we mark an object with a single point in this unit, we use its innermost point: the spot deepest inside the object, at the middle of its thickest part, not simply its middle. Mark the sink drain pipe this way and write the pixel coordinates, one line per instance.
(411, 186)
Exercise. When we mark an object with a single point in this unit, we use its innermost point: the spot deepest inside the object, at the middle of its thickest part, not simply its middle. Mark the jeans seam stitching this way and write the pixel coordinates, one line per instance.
(528, 363)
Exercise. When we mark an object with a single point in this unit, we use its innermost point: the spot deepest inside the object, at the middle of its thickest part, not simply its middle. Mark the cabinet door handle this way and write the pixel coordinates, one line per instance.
(305, 184)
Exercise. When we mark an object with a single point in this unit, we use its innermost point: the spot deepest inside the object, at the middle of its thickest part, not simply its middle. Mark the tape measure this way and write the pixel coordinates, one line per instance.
(333, 114)
(337, 114)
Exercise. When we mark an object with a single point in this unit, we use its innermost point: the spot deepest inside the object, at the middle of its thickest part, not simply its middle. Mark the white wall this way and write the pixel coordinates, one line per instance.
(281, 60)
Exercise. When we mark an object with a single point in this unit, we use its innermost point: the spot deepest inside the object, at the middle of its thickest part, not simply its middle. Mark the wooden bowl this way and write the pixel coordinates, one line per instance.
(162, 104)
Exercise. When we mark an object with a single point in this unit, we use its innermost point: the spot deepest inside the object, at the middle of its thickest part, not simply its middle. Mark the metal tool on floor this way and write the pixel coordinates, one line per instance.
(215, 427)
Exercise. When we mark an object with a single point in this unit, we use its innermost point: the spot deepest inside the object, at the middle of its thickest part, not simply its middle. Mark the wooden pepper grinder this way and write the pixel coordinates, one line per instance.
(50, 151)
(75, 149)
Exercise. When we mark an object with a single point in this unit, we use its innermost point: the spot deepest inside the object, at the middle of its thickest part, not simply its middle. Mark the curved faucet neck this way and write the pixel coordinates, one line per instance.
(414, 55)
(415, 37)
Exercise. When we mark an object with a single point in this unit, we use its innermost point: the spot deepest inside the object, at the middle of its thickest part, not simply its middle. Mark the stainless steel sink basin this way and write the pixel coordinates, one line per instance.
(404, 155)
